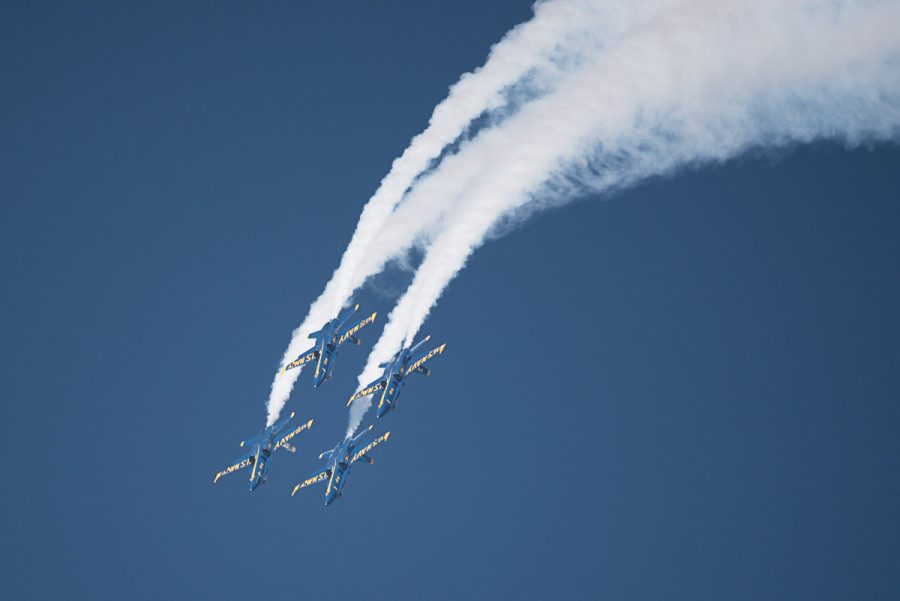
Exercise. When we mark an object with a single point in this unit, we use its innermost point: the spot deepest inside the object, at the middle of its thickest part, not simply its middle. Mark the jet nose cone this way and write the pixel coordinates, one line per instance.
(330, 499)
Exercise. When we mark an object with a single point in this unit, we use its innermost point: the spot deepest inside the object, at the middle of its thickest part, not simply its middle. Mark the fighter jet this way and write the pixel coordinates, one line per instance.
(261, 448)
(337, 465)
(332, 335)
(396, 371)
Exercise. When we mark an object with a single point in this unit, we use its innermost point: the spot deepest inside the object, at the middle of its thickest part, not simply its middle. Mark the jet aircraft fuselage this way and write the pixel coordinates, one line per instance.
(338, 462)
(327, 342)
(387, 388)
(260, 449)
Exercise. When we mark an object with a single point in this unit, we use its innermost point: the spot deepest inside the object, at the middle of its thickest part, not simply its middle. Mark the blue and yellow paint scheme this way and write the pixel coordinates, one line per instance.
(328, 339)
(401, 366)
(338, 462)
(261, 447)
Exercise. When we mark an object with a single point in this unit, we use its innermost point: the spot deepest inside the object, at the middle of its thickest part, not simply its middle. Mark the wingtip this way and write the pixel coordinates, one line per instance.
(356, 307)
(292, 414)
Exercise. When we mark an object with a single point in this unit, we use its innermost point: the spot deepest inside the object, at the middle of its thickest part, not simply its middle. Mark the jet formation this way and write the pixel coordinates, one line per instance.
(339, 460)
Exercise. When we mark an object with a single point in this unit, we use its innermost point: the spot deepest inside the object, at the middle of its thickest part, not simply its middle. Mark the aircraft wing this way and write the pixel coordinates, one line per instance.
(307, 357)
(365, 450)
(352, 331)
(372, 388)
(286, 436)
(239, 463)
(320, 476)
(420, 362)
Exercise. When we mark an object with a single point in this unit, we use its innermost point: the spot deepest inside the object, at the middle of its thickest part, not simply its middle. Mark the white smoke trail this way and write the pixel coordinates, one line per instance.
(700, 83)
(542, 48)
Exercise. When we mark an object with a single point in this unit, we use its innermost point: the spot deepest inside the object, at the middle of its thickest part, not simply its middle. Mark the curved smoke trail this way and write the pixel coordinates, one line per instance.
(558, 38)
(699, 83)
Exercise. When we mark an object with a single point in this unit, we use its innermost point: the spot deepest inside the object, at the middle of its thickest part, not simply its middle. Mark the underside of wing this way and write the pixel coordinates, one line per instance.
(419, 363)
(320, 476)
(307, 357)
(370, 389)
(365, 450)
(240, 463)
(351, 333)
(287, 436)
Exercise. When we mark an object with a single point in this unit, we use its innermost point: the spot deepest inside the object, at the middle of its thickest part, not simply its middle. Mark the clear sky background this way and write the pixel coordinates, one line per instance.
(685, 391)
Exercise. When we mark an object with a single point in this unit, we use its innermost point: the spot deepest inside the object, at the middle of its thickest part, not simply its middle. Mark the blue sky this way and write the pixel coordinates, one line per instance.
(686, 391)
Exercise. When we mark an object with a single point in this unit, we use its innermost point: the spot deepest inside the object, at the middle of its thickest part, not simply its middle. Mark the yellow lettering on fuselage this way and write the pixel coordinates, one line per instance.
(387, 392)
(255, 463)
(319, 364)
(328, 488)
